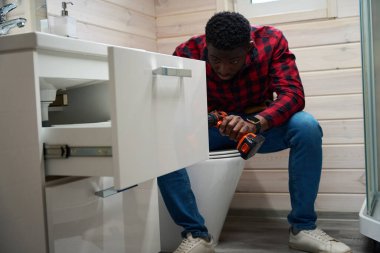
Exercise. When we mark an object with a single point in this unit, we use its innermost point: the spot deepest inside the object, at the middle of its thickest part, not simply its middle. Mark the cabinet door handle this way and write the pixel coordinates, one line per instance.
(169, 71)
(111, 191)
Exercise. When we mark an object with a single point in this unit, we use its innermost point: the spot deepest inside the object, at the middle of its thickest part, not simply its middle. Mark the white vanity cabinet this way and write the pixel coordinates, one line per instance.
(158, 120)
(146, 109)
(79, 221)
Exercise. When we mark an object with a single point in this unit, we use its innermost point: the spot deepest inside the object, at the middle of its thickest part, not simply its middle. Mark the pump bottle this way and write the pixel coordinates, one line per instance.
(65, 25)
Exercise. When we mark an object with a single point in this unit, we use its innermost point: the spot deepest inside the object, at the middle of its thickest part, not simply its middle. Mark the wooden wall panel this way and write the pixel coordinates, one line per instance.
(344, 131)
(103, 35)
(124, 23)
(335, 107)
(276, 181)
(328, 57)
(186, 24)
(108, 15)
(167, 45)
(322, 32)
(281, 201)
(302, 34)
(332, 82)
(340, 156)
(175, 7)
(177, 20)
(146, 7)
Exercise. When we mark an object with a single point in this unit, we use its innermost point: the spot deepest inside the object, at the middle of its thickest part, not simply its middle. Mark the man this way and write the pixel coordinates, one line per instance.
(245, 65)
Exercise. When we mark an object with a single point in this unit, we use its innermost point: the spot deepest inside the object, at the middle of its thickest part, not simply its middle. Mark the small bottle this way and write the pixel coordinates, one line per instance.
(65, 25)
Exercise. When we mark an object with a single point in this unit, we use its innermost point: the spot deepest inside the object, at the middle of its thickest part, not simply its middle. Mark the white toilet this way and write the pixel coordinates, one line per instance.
(214, 183)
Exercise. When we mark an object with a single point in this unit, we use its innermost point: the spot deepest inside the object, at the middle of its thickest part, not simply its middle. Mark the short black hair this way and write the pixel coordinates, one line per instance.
(228, 30)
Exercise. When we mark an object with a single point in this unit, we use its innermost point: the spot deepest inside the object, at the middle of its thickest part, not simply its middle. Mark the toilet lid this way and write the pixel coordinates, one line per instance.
(224, 154)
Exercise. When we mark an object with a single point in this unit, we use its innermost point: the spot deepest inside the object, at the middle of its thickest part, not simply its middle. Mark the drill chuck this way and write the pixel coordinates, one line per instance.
(215, 118)
(212, 119)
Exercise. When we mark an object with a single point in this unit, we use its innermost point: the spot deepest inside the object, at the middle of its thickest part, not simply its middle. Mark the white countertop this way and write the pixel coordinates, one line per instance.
(38, 41)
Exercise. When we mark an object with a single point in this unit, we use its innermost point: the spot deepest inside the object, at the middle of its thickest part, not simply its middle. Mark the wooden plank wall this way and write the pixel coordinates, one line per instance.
(177, 21)
(128, 23)
(329, 59)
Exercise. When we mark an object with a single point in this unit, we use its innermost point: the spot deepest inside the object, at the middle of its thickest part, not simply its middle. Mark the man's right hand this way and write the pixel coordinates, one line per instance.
(235, 127)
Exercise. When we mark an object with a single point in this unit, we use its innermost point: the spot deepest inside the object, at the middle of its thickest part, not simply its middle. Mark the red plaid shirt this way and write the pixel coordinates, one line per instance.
(269, 68)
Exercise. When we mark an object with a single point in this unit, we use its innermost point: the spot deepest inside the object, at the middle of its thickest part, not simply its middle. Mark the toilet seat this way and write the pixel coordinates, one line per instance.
(85, 125)
(220, 154)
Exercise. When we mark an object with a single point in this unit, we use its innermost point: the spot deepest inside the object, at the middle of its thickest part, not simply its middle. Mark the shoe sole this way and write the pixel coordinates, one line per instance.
(292, 246)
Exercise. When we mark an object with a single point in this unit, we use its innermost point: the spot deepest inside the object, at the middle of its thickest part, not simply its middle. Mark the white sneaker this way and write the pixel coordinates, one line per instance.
(195, 245)
(316, 241)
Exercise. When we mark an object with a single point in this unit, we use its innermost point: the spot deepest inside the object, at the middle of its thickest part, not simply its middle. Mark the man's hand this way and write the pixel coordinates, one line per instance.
(235, 127)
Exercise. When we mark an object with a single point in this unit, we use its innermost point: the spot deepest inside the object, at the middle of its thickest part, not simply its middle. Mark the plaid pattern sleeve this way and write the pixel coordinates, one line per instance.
(285, 81)
(193, 48)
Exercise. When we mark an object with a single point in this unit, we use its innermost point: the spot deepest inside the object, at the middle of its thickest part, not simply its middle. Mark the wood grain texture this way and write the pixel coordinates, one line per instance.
(321, 32)
(173, 7)
(146, 7)
(281, 201)
(332, 82)
(103, 35)
(167, 45)
(108, 15)
(334, 157)
(335, 106)
(328, 57)
(276, 181)
(184, 24)
(337, 131)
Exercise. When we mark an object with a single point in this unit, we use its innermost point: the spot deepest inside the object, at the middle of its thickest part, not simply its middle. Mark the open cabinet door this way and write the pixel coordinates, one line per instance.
(158, 114)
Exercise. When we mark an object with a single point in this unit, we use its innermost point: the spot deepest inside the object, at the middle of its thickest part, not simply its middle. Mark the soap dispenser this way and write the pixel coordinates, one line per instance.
(65, 25)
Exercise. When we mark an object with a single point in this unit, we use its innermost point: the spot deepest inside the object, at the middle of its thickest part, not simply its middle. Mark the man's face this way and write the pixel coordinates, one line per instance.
(227, 63)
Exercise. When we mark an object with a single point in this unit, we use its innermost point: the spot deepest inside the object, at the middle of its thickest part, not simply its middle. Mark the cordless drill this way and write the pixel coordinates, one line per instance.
(247, 145)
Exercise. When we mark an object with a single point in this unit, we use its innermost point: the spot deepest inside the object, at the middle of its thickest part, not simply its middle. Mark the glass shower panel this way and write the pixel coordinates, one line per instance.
(370, 20)
(376, 52)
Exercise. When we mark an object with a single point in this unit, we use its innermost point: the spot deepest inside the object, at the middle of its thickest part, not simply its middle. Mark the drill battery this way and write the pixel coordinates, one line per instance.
(248, 145)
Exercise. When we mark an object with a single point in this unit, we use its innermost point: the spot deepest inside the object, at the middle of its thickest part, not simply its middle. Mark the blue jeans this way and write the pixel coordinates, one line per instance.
(301, 133)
